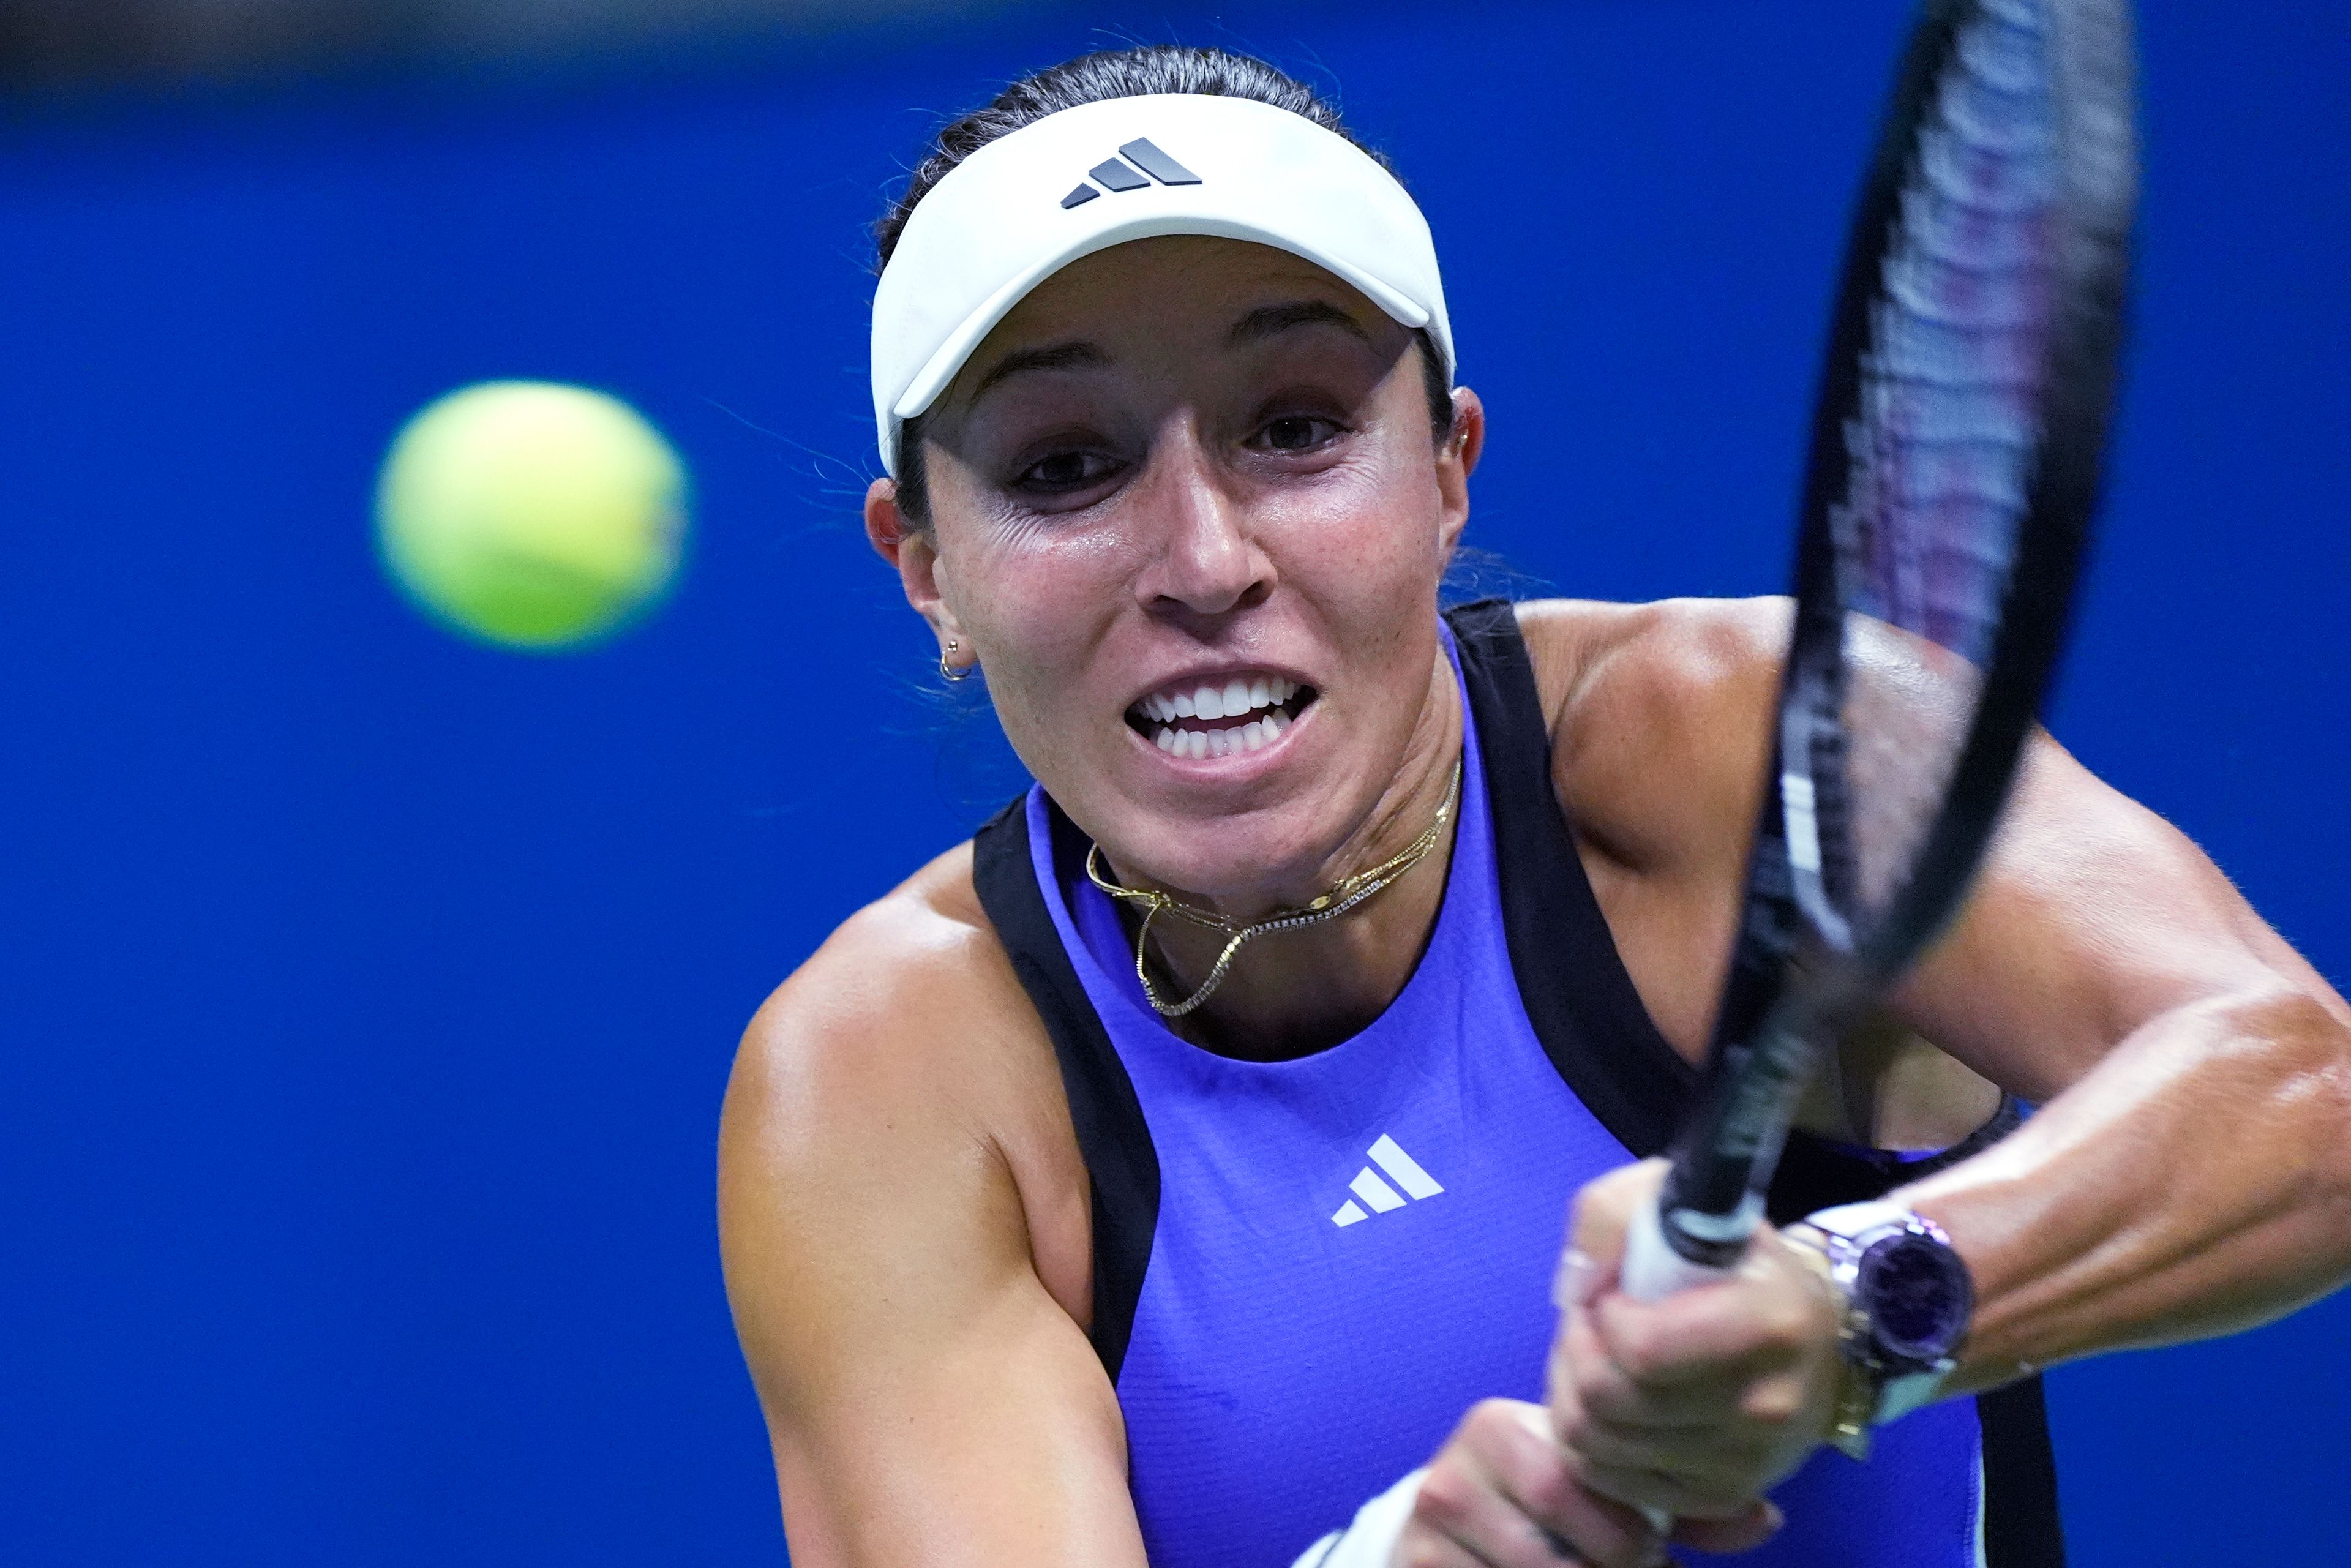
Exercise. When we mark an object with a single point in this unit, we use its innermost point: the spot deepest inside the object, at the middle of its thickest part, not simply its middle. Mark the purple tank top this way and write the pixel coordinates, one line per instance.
(1353, 1247)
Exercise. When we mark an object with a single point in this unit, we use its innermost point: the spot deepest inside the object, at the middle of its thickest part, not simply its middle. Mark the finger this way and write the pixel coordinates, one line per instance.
(1708, 1337)
(1588, 1368)
(1700, 1455)
(1423, 1547)
(1540, 1481)
(1722, 1458)
(1745, 1532)
(1656, 1473)
(1503, 1492)
(1605, 1207)
(1461, 1516)
(1588, 1434)
(1676, 1496)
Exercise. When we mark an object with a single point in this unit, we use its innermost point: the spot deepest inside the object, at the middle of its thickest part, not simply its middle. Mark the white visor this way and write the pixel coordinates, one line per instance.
(1027, 205)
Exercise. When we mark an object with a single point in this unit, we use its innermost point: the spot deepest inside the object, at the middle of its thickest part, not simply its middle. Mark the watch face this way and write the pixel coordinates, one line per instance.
(1917, 1295)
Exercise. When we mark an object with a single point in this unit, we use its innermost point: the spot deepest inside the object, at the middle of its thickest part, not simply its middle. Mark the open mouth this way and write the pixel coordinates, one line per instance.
(1225, 717)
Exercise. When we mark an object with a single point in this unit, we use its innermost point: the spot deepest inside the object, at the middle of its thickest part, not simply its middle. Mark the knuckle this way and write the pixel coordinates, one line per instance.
(1593, 1383)
(1548, 1490)
(1774, 1402)
(1448, 1493)
(1787, 1326)
(1576, 1430)
(1489, 1421)
(1641, 1359)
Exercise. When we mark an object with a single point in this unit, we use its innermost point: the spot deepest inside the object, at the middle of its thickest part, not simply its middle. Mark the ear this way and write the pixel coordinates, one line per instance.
(916, 554)
(1455, 461)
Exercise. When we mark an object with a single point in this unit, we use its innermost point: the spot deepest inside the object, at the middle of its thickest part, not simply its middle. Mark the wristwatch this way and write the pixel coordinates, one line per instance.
(1904, 1300)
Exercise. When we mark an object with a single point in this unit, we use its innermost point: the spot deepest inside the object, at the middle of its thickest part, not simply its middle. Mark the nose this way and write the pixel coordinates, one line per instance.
(1208, 561)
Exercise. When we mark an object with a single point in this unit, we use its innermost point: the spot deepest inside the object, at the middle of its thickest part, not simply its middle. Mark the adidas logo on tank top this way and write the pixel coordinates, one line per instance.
(1377, 1196)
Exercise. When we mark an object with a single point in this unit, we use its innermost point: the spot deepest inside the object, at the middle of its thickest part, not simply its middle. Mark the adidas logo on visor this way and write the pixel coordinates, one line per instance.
(1402, 1168)
(1138, 154)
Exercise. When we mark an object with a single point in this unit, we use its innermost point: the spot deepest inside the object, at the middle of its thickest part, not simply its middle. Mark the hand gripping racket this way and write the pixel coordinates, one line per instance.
(1953, 474)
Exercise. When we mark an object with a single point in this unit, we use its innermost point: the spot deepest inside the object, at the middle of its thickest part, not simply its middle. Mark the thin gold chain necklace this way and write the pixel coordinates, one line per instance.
(1353, 891)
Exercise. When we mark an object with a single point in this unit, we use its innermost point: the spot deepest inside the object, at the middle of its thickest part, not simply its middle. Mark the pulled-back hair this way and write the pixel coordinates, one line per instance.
(1092, 79)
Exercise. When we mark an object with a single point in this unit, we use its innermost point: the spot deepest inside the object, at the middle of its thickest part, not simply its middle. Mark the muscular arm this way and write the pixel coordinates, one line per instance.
(930, 1401)
(2190, 1173)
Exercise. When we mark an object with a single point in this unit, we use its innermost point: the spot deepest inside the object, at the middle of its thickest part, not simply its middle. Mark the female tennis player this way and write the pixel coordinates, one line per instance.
(1175, 1173)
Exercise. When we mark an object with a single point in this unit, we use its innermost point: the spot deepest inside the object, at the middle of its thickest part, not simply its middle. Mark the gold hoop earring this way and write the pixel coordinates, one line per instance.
(954, 672)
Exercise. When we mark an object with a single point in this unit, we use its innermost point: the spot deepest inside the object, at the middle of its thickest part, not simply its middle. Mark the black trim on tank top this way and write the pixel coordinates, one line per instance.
(1591, 1020)
(1816, 1173)
(2022, 1528)
(1122, 1164)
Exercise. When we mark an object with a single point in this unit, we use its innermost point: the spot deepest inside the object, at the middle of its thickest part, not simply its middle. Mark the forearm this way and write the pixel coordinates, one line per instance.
(2195, 1182)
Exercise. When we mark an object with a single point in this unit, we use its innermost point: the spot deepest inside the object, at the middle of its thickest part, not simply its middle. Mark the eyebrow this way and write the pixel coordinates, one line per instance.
(1059, 357)
(1269, 320)
(1265, 321)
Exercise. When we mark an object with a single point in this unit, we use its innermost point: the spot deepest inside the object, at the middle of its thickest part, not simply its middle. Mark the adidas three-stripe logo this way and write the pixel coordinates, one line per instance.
(1402, 1168)
(1138, 154)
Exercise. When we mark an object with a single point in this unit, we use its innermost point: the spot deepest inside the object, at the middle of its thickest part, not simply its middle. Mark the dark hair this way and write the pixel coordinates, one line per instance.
(1091, 78)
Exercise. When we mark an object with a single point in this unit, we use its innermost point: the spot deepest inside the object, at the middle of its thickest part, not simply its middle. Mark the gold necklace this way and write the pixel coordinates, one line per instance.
(1327, 907)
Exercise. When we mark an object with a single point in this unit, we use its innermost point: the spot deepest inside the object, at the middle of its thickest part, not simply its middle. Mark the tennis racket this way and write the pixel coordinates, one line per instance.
(1947, 507)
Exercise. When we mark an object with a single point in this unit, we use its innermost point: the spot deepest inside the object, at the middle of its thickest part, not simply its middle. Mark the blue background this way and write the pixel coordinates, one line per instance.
(366, 997)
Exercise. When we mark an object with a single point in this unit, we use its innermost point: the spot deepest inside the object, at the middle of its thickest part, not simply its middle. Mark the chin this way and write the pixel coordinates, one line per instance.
(1255, 857)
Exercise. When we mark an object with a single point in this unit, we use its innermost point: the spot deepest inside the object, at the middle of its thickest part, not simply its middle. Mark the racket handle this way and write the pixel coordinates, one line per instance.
(1653, 1270)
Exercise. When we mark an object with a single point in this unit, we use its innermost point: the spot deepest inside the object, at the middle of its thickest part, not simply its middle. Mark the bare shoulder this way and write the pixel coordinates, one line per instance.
(1660, 717)
(904, 1056)
(905, 994)
(903, 1215)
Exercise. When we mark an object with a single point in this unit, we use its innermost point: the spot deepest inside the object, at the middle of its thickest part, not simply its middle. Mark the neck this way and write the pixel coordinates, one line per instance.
(1290, 993)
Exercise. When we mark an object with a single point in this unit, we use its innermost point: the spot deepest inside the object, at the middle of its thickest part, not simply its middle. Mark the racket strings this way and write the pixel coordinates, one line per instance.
(1941, 445)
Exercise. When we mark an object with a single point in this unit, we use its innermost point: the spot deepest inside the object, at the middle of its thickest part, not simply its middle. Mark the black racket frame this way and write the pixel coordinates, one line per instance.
(1796, 984)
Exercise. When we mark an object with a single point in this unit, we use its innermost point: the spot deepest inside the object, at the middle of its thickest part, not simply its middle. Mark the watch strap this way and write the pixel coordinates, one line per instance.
(1869, 1395)
(1855, 1407)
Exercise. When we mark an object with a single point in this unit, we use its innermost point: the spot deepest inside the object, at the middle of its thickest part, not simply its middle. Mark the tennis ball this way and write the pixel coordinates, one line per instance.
(529, 514)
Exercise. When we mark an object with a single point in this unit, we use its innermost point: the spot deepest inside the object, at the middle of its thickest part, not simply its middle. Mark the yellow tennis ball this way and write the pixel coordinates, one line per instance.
(530, 514)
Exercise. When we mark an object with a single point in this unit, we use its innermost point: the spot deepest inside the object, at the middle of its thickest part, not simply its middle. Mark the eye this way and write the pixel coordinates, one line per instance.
(1058, 472)
(1295, 433)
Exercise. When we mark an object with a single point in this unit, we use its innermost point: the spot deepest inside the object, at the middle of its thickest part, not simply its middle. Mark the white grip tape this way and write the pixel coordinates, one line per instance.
(1653, 1270)
(1371, 1541)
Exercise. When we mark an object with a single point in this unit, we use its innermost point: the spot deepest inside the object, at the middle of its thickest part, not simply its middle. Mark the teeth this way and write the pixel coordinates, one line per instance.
(1254, 735)
(1235, 697)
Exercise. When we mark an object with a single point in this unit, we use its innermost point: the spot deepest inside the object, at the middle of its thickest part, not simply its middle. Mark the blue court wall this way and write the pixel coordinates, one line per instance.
(366, 997)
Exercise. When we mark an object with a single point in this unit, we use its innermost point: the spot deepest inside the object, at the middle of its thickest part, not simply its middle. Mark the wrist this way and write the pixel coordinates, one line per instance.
(1903, 1299)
